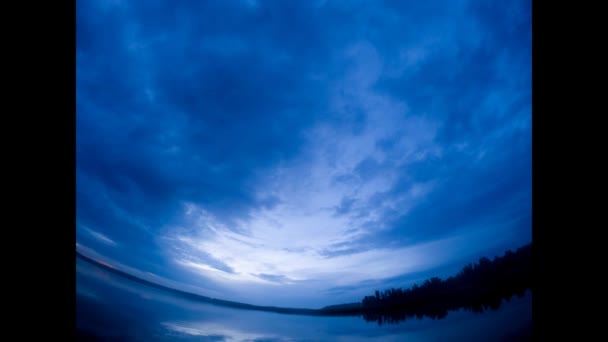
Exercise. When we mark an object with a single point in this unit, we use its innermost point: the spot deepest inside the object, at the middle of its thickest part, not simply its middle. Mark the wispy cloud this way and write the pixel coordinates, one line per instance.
(283, 256)
(217, 332)
(99, 236)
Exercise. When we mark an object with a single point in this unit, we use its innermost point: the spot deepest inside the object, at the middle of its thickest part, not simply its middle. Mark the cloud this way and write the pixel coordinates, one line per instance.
(99, 236)
(267, 143)
(277, 260)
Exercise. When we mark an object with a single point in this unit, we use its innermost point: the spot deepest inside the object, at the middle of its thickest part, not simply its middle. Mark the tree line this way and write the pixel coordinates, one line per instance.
(477, 287)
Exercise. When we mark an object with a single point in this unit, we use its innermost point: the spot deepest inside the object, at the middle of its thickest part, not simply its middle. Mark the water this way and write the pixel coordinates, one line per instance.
(110, 307)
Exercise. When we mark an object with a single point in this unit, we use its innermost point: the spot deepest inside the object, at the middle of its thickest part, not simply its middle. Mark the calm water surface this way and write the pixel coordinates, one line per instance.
(112, 308)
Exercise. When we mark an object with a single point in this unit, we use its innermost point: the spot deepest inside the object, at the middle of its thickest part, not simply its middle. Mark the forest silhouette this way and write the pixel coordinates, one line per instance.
(477, 287)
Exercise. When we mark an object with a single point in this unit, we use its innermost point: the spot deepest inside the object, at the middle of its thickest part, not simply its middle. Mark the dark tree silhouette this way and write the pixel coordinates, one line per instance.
(477, 287)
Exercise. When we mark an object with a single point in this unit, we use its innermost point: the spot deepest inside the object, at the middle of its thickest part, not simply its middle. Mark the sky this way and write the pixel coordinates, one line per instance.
(301, 153)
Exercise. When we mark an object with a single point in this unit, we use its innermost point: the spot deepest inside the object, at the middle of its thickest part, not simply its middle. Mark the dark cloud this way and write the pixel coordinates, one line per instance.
(453, 81)
(215, 120)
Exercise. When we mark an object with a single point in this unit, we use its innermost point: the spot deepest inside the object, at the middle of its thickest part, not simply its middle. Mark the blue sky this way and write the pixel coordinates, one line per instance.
(301, 153)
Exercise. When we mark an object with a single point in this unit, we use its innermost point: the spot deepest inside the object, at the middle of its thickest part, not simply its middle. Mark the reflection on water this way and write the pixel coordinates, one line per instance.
(112, 308)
